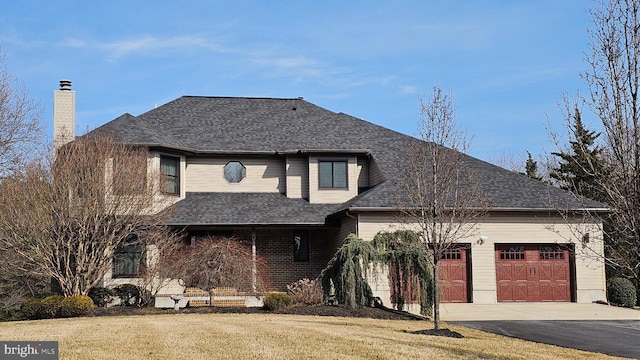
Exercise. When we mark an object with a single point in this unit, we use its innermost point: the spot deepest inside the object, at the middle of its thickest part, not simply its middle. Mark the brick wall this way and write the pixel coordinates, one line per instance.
(275, 246)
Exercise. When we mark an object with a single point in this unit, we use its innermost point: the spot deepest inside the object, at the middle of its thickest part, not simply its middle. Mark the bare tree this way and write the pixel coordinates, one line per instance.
(613, 79)
(20, 127)
(217, 262)
(442, 198)
(65, 220)
(510, 161)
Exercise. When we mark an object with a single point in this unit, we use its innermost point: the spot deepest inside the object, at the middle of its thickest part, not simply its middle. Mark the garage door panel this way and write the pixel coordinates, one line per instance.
(452, 276)
(514, 291)
(532, 273)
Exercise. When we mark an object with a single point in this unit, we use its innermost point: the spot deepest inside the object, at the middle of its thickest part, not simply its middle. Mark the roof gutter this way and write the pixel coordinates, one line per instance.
(256, 152)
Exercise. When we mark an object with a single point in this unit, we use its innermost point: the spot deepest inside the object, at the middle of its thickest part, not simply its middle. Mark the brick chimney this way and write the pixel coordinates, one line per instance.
(64, 114)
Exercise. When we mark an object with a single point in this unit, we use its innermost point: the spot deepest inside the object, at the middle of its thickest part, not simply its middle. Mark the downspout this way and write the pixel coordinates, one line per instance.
(254, 269)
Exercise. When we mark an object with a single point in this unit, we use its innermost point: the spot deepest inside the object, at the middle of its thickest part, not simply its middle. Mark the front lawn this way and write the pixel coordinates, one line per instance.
(269, 336)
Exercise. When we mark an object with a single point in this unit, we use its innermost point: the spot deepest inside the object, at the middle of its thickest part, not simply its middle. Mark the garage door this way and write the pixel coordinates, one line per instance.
(453, 276)
(538, 272)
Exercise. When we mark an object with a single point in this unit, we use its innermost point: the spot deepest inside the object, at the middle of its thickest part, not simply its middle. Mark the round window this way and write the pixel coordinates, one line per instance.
(234, 171)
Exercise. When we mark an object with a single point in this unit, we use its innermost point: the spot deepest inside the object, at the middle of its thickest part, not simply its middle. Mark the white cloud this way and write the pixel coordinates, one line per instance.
(146, 44)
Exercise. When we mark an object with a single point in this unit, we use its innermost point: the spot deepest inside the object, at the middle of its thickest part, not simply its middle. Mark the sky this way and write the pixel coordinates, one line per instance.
(504, 63)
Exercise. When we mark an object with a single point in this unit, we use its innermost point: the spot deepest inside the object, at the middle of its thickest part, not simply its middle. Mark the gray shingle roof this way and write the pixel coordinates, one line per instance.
(247, 209)
(230, 124)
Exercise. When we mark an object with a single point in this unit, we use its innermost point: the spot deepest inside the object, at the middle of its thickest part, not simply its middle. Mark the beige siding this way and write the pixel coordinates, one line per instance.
(263, 175)
(363, 172)
(375, 175)
(332, 196)
(297, 177)
(590, 276)
(348, 226)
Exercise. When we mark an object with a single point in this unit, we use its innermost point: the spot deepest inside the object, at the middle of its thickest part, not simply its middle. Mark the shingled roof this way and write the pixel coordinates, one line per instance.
(200, 125)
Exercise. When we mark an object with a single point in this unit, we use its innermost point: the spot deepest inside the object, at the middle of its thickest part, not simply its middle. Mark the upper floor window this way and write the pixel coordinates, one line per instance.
(170, 174)
(234, 171)
(333, 174)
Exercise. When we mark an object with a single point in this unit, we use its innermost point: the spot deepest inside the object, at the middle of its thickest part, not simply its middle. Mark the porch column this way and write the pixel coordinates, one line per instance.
(254, 270)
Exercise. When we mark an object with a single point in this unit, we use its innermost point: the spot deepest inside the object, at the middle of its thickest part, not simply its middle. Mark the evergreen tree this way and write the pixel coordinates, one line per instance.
(531, 168)
(578, 170)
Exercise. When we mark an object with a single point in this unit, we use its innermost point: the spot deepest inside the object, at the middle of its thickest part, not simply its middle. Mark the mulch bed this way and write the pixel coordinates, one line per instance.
(440, 332)
(314, 310)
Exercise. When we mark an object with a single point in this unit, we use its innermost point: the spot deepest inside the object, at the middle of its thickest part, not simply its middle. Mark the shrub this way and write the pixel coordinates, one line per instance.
(50, 307)
(73, 306)
(101, 296)
(129, 294)
(621, 291)
(305, 291)
(276, 301)
(30, 308)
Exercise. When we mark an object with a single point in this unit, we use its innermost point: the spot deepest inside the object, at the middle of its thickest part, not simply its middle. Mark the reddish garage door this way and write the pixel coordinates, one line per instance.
(452, 276)
(533, 273)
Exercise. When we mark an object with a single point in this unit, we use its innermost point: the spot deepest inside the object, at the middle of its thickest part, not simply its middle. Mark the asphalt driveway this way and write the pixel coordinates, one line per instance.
(611, 337)
(591, 327)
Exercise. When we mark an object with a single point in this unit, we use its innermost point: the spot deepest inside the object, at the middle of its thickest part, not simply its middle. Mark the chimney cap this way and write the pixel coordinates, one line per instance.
(65, 85)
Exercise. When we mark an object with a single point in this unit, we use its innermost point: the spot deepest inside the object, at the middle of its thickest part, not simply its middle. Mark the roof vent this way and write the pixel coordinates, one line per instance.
(65, 85)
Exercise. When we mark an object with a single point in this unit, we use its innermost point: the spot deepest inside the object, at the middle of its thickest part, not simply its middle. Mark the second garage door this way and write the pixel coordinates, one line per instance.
(532, 273)
(453, 275)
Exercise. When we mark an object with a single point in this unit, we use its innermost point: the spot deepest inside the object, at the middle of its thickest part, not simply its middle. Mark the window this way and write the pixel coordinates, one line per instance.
(234, 171)
(451, 254)
(300, 245)
(170, 174)
(128, 259)
(333, 174)
(512, 253)
(551, 253)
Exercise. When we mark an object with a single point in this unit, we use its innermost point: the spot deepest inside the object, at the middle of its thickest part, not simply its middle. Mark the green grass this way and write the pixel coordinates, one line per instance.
(269, 336)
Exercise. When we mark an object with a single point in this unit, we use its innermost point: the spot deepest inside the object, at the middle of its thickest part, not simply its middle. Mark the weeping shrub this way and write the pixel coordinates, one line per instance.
(409, 266)
(347, 271)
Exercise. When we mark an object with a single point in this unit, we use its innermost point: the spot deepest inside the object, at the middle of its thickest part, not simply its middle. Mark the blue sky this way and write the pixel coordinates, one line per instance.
(506, 63)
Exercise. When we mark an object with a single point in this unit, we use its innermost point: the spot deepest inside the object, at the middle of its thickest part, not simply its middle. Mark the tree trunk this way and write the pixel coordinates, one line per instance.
(436, 296)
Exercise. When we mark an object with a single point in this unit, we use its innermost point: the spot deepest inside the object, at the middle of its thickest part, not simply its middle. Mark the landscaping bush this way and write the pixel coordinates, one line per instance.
(621, 291)
(73, 306)
(129, 294)
(276, 301)
(305, 291)
(30, 308)
(50, 307)
(101, 296)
